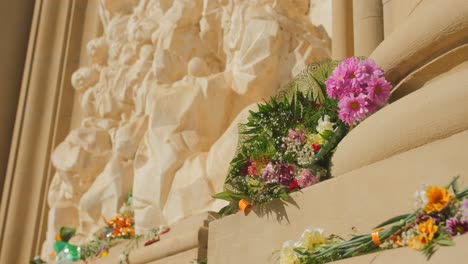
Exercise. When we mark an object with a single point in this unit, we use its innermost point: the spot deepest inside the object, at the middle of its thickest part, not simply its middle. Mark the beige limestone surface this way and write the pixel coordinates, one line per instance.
(352, 203)
(168, 83)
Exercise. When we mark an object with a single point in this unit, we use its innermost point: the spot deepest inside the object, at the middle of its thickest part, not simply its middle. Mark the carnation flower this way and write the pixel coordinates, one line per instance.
(286, 174)
(307, 179)
(378, 90)
(352, 108)
(294, 185)
(457, 226)
(315, 139)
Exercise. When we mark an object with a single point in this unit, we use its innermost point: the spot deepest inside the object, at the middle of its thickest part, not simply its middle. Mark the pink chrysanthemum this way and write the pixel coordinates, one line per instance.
(307, 179)
(368, 69)
(343, 81)
(378, 90)
(352, 108)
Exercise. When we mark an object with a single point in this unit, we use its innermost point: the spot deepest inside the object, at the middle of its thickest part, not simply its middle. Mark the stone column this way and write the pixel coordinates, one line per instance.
(368, 26)
(342, 27)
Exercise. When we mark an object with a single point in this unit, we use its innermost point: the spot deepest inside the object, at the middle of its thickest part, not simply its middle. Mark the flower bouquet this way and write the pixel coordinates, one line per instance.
(442, 214)
(288, 143)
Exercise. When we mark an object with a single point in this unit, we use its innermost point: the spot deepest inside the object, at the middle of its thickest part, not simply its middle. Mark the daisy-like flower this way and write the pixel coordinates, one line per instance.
(343, 79)
(378, 90)
(457, 226)
(368, 69)
(437, 199)
(352, 108)
(306, 178)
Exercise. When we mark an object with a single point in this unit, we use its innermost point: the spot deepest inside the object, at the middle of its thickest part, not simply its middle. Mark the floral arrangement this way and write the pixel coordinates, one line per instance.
(442, 214)
(118, 229)
(287, 144)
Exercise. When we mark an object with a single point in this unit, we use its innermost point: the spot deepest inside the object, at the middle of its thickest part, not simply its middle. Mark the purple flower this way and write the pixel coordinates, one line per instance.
(465, 207)
(352, 108)
(286, 174)
(307, 179)
(457, 226)
(298, 135)
(268, 173)
(378, 90)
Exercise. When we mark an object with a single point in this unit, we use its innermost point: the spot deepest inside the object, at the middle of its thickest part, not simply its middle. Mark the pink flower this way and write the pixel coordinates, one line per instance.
(307, 179)
(352, 108)
(297, 135)
(368, 69)
(268, 173)
(344, 81)
(378, 90)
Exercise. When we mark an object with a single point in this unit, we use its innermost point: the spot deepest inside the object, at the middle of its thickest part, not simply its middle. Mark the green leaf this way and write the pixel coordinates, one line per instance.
(393, 220)
(225, 196)
(66, 233)
(445, 242)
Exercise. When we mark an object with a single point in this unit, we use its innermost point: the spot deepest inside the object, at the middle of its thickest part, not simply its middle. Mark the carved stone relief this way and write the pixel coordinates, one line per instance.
(169, 83)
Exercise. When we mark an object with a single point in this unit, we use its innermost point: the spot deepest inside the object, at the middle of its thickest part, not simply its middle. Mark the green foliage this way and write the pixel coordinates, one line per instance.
(299, 105)
(66, 233)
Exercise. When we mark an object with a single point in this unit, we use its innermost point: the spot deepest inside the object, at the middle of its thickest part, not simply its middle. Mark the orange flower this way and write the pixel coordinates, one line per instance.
(426, 232)
(438, 198)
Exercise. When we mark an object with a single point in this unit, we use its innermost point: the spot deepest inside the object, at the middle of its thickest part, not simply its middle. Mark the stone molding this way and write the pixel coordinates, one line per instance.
(42, 120)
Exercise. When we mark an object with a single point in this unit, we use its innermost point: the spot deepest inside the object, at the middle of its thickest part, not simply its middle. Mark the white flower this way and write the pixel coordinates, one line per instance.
(311, 237)
(420, 199)
(324, 124)
(288, 256)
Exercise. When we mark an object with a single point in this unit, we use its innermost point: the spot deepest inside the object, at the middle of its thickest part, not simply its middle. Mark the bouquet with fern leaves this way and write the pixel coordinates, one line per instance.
(288, 143)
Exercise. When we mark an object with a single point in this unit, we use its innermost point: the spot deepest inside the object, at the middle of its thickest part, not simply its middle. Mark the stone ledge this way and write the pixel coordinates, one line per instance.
(358, 200)
(187, 239)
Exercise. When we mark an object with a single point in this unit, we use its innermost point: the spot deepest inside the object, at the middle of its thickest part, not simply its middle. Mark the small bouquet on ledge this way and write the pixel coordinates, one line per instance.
(120, 228)
(442, 214)
(288, 143)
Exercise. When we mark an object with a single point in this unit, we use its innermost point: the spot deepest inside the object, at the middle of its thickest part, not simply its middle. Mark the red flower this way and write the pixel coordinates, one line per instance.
(149, 242)
(293, 185)
(316, 148)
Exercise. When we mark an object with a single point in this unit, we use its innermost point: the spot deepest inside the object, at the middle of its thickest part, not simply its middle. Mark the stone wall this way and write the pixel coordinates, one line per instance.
(168, 84)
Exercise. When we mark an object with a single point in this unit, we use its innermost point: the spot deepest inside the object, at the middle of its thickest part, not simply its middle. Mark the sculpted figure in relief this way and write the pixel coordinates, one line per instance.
(169, 83)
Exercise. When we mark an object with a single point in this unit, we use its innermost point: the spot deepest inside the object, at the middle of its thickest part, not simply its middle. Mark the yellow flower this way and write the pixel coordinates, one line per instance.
(426, 232)
(315, 139)
(438, 198)
(288, 256)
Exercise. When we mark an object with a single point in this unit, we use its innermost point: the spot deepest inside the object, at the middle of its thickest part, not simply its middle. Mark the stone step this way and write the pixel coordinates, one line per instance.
(352, 203)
